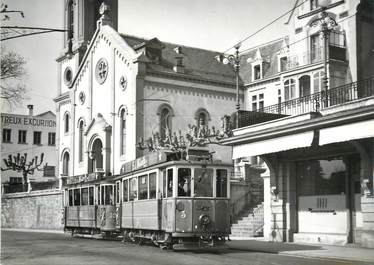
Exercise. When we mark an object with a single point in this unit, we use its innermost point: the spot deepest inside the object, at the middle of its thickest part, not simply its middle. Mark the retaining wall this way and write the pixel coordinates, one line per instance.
(34, 210)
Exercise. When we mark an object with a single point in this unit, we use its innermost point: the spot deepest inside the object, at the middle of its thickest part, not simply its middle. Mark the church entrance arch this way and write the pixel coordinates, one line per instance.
(95, 159)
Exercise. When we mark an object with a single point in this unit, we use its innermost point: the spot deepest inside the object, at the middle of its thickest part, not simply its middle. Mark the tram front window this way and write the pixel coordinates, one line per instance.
(108, 195)
(91, 195)
(169, 184)
(143, 187)
(152, 185)
(203, 182)
(85, 196)
(77, 197)
(184, 182)
(221, 185)
(70, 197)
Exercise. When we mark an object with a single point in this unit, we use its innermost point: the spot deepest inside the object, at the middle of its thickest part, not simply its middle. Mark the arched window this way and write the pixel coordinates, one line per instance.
(80, 141)
(65, 164)
(165, 122)
(318, 81)
(304, 86)
(70, 19)
(202, 117)
(66, 122)
(123, 132)
(289, 89)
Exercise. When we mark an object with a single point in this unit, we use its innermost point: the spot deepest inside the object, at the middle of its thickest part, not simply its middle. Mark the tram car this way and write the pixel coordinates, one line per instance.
(173, 199)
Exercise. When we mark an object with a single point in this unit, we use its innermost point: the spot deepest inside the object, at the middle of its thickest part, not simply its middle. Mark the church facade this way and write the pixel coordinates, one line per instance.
(115, 89)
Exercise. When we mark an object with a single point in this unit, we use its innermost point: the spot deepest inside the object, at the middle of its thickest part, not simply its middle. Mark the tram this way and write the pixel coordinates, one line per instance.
(173, 199)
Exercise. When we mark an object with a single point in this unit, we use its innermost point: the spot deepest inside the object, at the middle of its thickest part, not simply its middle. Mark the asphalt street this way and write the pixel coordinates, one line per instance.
(48, 248)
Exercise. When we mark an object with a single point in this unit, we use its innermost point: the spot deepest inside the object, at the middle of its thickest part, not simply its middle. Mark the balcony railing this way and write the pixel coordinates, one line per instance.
(310, 103)
(296, 60)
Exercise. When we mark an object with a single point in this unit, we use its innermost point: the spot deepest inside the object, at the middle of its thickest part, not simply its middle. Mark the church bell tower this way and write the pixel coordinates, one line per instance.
(80, 20)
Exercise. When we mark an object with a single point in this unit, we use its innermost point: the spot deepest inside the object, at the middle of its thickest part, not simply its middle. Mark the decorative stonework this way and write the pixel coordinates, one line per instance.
(123, 82)
(82, 97)
(101, 71)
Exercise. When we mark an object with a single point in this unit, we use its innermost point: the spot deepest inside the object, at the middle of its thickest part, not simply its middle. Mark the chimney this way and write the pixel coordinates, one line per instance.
(31, 109)
(178, 67)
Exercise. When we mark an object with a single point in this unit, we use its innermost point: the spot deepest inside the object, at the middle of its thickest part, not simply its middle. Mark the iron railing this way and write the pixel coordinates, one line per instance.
(301, 59)
(321, 100)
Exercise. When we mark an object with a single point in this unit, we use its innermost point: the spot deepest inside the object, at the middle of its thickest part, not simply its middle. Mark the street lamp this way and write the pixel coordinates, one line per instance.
(233, 59)
(327, 23)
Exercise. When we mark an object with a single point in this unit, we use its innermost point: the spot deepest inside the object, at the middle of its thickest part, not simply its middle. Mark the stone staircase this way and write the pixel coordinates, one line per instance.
(249, 223)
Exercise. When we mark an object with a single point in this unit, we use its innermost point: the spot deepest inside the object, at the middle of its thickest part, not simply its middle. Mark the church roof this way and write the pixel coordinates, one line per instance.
(197, 62)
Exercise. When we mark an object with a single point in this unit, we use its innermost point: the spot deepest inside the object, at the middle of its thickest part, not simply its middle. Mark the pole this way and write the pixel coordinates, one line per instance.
(325, 35)
(237, 67)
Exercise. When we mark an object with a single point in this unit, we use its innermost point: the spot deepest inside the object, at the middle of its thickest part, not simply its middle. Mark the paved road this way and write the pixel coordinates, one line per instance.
(43, 248)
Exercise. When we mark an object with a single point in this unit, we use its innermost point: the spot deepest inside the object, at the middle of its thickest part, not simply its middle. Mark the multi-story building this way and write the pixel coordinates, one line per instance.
(317, 144)
(116, 89)
(32, 135)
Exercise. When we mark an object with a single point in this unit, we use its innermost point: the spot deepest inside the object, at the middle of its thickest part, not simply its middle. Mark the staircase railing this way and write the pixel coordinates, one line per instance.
(258, 218)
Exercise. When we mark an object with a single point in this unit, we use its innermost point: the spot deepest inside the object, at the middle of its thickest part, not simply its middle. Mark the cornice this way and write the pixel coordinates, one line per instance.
(62, 97)
(316, 123)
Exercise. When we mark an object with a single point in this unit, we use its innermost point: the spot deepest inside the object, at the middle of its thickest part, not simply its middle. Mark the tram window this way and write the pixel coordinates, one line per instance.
(98, 196)
(169, 184)
(143, 187)
(91, 195)
(117, 193)
(203, 182)
(133, 189)
(221, 184)
(70, 197)
(77, 197)
(152, 185)
(125, 191)
(164, 183)
(184, 182)
(85, 196)
(102, 195)
(109, 196)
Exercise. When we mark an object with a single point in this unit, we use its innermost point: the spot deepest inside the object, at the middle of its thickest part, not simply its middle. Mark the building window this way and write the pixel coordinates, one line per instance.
(49, 171)
(65, 164)
(7, 133)
(315, 48)
(257, 72)
(22, 136)
(51, 138)
(15, 180)
(304, 86)
(317, 81)
(37, 137)
(70, 19)
(283, 62)
(80, 141)
(258, 102)
(165, 122)
(202, 118)
(337, 39)
(313, 4)
(289, 89)
(66, 122)
(123, 132)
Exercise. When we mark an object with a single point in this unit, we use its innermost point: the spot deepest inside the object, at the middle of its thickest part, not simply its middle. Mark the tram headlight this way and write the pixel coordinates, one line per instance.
(204, 219)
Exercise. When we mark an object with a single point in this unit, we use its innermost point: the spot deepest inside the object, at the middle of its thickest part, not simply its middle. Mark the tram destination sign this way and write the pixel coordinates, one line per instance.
(144, 161)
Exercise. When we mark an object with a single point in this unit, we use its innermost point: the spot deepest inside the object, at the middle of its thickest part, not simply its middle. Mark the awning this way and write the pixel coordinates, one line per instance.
(343, 133)
(273, 145)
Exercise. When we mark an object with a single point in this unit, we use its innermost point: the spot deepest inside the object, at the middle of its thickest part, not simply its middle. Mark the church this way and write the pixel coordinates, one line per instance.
(115, 89)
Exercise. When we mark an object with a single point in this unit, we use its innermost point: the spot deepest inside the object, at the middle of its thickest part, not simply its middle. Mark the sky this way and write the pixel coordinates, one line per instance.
(209, 24)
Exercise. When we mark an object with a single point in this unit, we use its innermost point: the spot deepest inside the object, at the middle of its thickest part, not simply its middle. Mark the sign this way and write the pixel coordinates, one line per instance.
(83, 178)
(144, 161)
(28, 121)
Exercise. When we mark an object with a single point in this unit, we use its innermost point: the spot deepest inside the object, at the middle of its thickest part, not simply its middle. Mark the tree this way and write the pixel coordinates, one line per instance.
(20, 164)
(13, 91)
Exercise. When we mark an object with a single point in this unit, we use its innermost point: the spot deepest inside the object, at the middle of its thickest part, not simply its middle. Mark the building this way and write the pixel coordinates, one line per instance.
(32, 135)
(116, 89)
(317, 144)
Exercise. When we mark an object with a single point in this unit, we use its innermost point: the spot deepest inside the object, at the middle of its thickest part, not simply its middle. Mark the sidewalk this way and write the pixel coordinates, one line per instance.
(350, 253)
(33, 230)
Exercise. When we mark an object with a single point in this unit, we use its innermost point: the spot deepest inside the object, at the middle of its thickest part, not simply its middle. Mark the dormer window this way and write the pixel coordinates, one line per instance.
(257, 72)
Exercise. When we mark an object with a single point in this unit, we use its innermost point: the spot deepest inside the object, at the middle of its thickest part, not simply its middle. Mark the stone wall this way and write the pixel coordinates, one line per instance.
(34, 210)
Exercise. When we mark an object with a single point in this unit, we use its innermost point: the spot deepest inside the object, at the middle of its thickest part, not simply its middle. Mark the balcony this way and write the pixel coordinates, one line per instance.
(310, 103)
(301, 59)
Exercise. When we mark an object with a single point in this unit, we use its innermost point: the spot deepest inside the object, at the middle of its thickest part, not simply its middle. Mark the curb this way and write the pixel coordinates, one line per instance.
(33, 230)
